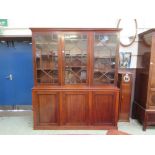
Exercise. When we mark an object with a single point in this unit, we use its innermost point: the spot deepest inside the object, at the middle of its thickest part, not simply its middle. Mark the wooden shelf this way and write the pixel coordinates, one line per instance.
(106, 71)
(76, 56)
(76, 66)
(48, 69)
(46, 55)
(46, 43)
(112, 57)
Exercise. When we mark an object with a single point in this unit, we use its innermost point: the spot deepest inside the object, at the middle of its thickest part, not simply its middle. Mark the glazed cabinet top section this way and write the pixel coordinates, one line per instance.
(75, 56)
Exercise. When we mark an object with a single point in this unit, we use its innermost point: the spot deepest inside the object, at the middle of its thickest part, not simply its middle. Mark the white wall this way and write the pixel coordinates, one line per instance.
(75, 13)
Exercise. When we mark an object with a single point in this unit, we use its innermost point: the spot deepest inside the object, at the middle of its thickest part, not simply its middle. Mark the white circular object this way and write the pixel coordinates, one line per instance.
(126, 78)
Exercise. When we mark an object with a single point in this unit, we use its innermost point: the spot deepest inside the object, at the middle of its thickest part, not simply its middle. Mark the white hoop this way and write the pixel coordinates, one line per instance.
(134, 38)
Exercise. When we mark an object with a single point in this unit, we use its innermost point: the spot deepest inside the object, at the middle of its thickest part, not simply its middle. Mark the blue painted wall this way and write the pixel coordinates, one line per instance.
(18, 62)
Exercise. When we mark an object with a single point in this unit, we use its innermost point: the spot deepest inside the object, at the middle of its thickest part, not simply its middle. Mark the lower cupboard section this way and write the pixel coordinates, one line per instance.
(75, 109)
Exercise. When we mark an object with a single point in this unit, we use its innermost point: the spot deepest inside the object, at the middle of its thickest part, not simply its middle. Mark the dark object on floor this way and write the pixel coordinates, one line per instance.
(116, 132)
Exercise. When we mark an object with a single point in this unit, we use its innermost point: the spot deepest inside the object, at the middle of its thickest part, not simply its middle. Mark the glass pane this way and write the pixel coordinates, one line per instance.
(47, 58)
(105, 46)
(75, 51)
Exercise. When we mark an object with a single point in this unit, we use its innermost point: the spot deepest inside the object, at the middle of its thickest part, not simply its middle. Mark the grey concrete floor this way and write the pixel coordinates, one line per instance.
(21, 123)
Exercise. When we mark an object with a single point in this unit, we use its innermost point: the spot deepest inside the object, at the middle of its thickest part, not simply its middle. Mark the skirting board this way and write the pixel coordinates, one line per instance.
(16, 107)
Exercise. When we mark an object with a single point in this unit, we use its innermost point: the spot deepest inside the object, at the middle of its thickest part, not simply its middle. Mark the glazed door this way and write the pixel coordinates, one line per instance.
(47, 62)
(16, 73)
(75, 58)
(105, 58)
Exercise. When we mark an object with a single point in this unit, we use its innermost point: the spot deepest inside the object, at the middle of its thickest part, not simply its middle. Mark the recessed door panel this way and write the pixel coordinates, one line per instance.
(48, 108)
(103, 108)
(75, 108)
(152, 98)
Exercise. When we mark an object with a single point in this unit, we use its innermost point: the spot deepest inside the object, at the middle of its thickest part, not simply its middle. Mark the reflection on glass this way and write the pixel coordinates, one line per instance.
(75, 51)
(104, 58)
(47, 58)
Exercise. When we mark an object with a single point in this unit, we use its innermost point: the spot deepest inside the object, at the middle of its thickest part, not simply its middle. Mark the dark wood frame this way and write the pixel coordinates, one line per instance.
(143, 106)
(80, 93)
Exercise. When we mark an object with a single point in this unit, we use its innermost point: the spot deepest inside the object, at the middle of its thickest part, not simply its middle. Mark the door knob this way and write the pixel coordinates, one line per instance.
(9, 77)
